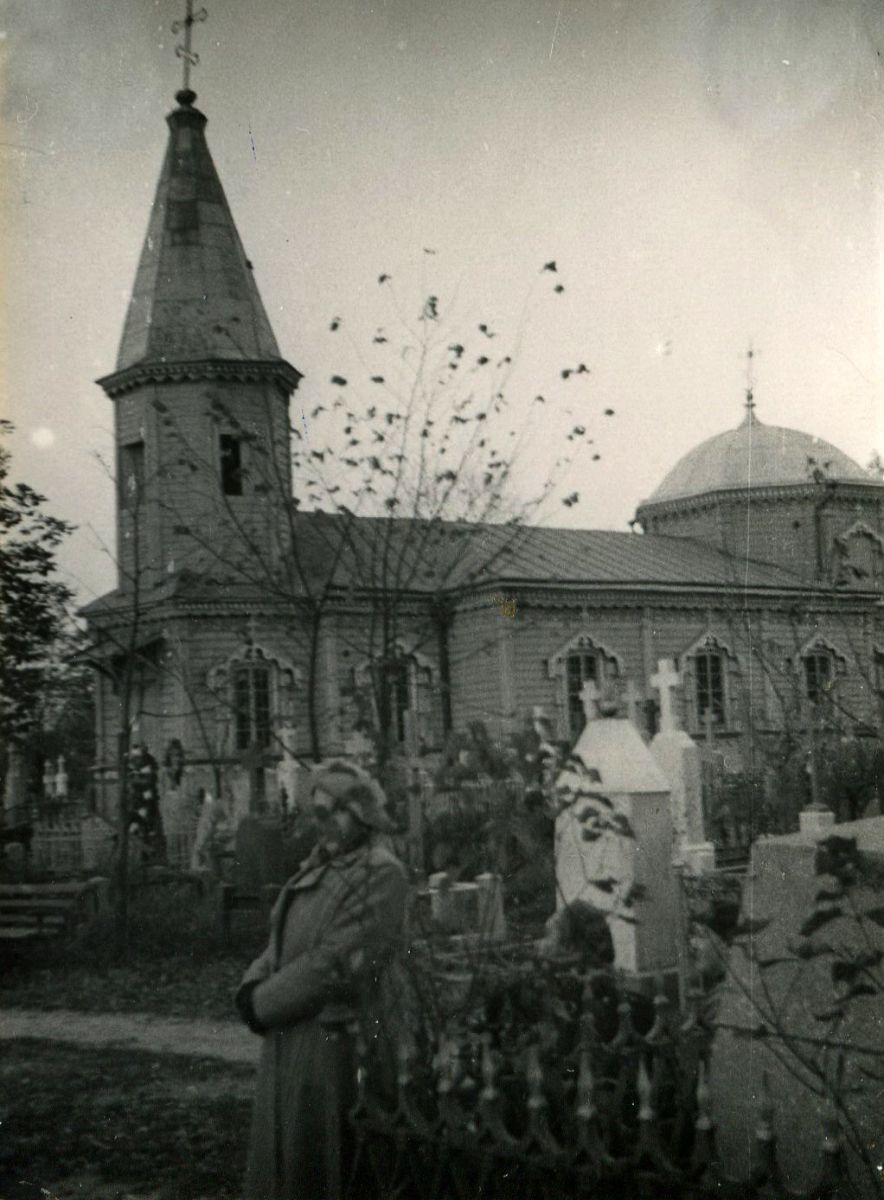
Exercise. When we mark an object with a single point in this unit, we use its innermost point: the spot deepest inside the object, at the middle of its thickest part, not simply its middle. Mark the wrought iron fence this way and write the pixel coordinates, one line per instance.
(180, 841)
(627, 1114)
(473, 795)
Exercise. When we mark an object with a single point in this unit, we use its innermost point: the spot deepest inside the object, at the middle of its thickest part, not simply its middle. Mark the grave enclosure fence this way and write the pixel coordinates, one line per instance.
(72, 843)
(625, 1113)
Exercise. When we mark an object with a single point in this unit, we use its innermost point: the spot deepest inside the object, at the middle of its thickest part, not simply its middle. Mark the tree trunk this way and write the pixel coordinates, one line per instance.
(313, 685)
(121, 906)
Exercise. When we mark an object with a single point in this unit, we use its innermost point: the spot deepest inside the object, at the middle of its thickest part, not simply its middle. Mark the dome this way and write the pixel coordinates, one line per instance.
(757, 455)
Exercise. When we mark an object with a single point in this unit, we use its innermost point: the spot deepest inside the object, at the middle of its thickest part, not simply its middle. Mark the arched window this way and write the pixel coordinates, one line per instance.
(878, 666)
(709, 685)
(402, 692)
(579, 661)
(251, 704)
(859, 558)
(821, 665)
(254, 692)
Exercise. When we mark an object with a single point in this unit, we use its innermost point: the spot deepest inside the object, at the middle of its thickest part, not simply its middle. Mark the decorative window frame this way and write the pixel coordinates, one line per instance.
(859, 529)
(709, 643)
(878, 669)
(821, 646)
(583, 642)
(285, 677)
(429, 718)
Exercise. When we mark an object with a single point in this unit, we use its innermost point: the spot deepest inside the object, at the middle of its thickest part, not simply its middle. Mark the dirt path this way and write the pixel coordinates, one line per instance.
(227, 1040)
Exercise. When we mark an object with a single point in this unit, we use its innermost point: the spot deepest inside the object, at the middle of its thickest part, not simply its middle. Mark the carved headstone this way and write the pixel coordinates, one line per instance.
(606, 871)
(776, 1017)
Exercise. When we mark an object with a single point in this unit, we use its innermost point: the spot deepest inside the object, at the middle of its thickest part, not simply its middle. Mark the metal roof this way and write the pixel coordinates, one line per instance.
(756, 455)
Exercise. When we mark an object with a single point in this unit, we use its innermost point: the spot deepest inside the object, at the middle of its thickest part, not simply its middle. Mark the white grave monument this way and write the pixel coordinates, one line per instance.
(680, 760)
(288, 768)
(618, 766)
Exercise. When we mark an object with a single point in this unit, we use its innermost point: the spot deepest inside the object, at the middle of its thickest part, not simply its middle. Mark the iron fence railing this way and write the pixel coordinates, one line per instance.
(623, 1115)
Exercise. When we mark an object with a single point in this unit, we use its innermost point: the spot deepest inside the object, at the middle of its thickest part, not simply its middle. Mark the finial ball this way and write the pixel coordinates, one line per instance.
(185, 97)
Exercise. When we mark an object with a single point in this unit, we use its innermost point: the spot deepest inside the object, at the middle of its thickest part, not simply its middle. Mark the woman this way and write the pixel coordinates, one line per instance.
(336, 924)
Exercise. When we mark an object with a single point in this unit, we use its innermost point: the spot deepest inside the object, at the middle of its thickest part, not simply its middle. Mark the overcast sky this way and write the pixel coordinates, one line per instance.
(704, 174)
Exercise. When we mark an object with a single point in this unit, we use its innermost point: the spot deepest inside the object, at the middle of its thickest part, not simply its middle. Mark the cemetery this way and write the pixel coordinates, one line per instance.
(598, 995)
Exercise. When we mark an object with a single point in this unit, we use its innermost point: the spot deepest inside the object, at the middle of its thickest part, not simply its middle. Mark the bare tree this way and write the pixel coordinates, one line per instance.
(406, 490)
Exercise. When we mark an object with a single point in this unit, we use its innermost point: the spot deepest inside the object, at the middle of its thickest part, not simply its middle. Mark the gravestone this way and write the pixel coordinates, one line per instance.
(679, 758)
(97, 842)
(288, 769)
(262, 854)
(616, 763)
(14, 787)
(633, 699)
(468, 906)
(61, 779)
(359, 748)
(788, 1001)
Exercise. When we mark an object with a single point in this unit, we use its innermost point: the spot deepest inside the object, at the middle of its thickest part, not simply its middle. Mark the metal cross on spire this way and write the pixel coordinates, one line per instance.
(184, 51)
(750, 384)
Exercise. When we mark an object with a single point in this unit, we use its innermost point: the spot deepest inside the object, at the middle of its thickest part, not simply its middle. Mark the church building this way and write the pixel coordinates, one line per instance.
(243, 633)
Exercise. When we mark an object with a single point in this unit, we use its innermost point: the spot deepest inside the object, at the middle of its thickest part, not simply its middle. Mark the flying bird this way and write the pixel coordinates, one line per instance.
(550, 266)
(571, 500)
(383, 278)
(377, 379)
(609, 412)
(559, 288)
(339, 380)
(336, 322)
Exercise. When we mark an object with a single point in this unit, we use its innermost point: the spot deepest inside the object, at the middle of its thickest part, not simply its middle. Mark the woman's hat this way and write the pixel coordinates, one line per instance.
(355, 791)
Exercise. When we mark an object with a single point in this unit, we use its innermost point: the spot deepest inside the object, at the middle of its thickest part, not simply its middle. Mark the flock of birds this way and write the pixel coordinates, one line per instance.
(457, 351)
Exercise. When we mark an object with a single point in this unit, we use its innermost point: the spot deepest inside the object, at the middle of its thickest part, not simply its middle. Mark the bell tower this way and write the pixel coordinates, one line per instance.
(200, 390)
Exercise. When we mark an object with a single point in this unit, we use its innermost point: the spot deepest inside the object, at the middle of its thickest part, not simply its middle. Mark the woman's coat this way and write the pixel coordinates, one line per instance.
(332, 930)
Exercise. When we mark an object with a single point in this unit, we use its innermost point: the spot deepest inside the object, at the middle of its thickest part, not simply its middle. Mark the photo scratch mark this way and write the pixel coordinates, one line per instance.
(555, 34)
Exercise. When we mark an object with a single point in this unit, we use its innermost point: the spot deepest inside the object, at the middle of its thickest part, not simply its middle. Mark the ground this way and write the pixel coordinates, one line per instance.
(126, 1083)
(107, 1123)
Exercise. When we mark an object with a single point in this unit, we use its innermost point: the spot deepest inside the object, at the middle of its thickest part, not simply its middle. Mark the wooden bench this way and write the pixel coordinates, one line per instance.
(45, 910)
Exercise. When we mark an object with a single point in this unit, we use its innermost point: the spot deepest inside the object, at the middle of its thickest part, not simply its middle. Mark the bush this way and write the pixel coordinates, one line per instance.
(165, 920)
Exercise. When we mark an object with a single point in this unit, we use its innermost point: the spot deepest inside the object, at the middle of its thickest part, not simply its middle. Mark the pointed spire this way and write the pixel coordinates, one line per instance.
(195, 300)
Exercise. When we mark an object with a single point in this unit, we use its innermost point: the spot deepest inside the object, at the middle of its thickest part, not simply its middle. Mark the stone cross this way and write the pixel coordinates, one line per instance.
(633, 698)
(665, 681)
(589, 698)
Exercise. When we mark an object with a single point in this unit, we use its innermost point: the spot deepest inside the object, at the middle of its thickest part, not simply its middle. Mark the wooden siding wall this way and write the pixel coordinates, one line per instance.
(776, 529)
(184, 520)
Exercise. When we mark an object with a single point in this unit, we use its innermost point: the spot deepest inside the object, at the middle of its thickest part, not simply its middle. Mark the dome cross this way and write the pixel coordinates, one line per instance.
(750, 385)
(184, 51)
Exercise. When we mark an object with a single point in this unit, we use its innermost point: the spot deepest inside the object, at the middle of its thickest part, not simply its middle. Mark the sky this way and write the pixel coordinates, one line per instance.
(706, 175)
